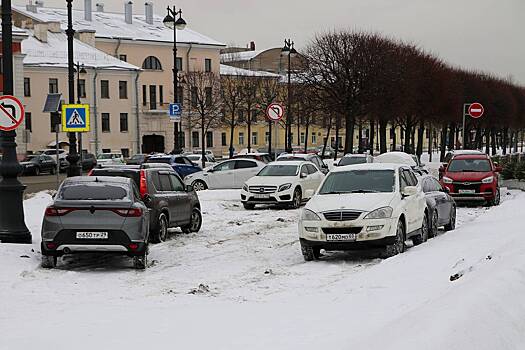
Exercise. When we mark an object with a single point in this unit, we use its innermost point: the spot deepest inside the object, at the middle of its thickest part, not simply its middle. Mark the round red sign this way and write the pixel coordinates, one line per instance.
(476, 110)
(11, 113)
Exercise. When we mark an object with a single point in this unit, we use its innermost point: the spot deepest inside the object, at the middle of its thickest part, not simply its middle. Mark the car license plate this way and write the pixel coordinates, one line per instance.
(344, 237)
(262, 196)
(92, 235)
(467, 191)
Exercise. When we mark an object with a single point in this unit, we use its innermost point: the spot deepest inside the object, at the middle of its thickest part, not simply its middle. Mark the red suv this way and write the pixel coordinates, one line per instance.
(472, 177)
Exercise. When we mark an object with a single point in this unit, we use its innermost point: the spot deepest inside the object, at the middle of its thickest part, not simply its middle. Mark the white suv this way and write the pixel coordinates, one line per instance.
(364, 206)
(278, 183)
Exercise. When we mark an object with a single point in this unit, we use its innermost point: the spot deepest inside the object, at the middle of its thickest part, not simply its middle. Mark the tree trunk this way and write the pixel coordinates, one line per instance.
(394, 140)
(487, 140)
(203, 143)
(420, 135)
(249, 132)
(505, 141)
(382, 136)
(232, 129)
(408, 132)
(360, 138)
(372, 132)
(349, 134)
(430, 140)
(377, 138)
(336, 140)
(270, 138)
(442, 146)
(451, 134)
(307, 126)
(325, 141)
(493, 140)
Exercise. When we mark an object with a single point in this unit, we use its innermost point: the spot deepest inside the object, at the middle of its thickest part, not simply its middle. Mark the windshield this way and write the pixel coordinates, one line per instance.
(352, 160)
(159, 160)
(469, 165)
(359, 181)
(93, 191)
(279, 170)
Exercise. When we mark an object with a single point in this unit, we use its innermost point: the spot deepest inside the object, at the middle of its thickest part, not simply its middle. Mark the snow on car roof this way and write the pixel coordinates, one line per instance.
(291, 162)
(471, 156)
(396, 158)
(369, 166)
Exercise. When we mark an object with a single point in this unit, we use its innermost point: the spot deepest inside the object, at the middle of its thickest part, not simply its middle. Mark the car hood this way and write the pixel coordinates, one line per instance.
(357, 201)
(469, 176)
(270, 180)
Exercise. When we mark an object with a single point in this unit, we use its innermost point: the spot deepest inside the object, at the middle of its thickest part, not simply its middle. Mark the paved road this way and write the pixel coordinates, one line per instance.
(41, 182)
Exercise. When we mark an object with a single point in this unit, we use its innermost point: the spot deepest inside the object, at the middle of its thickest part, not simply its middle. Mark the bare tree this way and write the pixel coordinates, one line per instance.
(232, 97)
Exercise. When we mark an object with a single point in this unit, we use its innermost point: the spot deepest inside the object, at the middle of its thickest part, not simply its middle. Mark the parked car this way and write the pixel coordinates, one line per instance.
(263, 157)
(197, 159)
(181, 164)
(38, 163)
(52, 152)
(207, 152)
(364, 206)
(310, 157)
(278, 183)
(472, 178)
(232, 173)
(136, 159)
(110, 159)
(96, 214)
(440, 205)
(402, 158)
(352, 159)
(171, 203)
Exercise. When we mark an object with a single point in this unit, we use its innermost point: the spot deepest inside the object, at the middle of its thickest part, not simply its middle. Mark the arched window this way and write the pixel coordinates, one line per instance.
(151, 62)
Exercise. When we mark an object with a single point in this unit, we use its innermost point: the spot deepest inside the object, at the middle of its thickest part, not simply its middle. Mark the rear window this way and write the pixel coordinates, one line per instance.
(134, 175)
(93, 191)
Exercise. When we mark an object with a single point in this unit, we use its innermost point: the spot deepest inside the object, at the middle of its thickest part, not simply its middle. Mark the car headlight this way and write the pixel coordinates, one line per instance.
(245, 187)
(381, 213)
(488, 180)
(309, 215)
(284, 187)
(447, 180)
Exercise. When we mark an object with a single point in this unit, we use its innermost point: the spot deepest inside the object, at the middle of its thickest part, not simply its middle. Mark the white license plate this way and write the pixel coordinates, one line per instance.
(344, 237)
(467, 191)
(92, 235)
(261, 196)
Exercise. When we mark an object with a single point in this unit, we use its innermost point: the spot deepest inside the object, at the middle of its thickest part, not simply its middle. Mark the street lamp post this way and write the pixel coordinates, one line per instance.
(289, 51)
(171, 22)
(79, 69)
(12, 225)
(72, 157)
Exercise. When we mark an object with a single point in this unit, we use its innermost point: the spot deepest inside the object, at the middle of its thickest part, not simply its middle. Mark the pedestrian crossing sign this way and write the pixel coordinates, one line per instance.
(75, 118)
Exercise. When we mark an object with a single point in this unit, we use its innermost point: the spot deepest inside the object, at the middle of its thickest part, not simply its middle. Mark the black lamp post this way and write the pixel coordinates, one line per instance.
(289, 51)
(12, 226)
(172, 23)
(72, 157)
(79, 69)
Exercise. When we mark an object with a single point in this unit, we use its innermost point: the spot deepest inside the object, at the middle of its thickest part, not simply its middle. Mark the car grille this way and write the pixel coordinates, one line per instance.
(466, 185)
(343, 215)
(263, 189)
(342, 230)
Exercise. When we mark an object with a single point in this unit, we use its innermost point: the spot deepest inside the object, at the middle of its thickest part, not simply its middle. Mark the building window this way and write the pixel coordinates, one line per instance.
(123, 57)
(152, 63)
(123, 122)
(144, 95)
(27, 87)
(104, 89)
(314, 138)
(302, 138)
(125, 152)
(207, 65)
(29, 122)
(123, 89)
(194, 139)
(178, 62)
(53, 86)
(106, 150)
(105, 122)
(82, 88)
(161, 95)
(266, 137)
(194, 97)
(223, 139)
(153, 97)
(180, 95)
(254, 138)
(207, 92)
(241, 138)
(209, 139)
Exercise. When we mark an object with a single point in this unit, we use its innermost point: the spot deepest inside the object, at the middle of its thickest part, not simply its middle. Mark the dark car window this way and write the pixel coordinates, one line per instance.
(410, 177)
(360, 181)
(278, 170)
(225, 166)
(244, 164)
(180, 160)
(352, 160)
(403, 181)
(165, 183)
(311, 168)
(176, 183)
(134, 175)
(93, 191)
(166, 160)
(317, 161)
(469, 165)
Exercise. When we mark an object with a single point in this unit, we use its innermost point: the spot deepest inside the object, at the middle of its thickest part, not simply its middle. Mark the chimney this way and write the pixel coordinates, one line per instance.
(86, 36)
(40, 32)
(87, 10)
(31, 7)
(148, 12)
(128, 12)
(100, 7)
(54, 27)
(39, 3)
(252, 45)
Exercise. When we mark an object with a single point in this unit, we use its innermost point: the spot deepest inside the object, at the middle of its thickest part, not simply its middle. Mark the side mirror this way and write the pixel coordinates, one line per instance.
(189, 188)
(409, 191)
(303, 175)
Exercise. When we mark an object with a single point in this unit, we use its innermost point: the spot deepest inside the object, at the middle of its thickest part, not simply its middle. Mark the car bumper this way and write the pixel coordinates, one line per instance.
(283, 197)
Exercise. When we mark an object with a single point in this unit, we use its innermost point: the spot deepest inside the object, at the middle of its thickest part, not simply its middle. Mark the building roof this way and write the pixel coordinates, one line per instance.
(113, 26)
(240, 56)
(229, 70)
(53, 53)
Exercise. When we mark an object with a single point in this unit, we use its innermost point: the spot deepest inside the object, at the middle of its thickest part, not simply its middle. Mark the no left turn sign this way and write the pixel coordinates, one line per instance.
(275, 112)
(11, 113)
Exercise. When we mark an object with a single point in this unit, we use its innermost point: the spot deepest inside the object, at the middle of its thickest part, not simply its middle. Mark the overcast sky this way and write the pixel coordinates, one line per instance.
(477, 34)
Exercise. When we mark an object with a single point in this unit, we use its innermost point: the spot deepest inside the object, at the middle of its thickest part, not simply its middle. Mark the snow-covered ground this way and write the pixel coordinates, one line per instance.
(241, 283)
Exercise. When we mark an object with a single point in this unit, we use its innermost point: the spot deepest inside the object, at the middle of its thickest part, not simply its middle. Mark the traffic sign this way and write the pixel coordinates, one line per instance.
(275, 112)
(11, 113)
(175, 109)
(75, 118)
(476, 110)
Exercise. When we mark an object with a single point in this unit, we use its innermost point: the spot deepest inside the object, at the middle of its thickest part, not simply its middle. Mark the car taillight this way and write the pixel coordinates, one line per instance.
(132, 212)
(143, 184)
(52, 211)
(90, 173)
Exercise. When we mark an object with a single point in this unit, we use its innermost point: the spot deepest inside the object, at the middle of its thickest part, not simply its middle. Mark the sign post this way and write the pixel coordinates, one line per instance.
(475, 110)
(275, 113)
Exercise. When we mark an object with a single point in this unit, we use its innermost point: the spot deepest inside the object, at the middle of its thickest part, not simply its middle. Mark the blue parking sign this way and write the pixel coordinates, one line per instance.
(175, 110)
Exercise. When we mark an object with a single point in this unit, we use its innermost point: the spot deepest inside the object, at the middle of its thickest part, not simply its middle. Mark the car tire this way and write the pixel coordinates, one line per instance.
(497, 198)
(433, 224)
(162, 229)
(423, 237)
(195, 222)
(37, 171)
(199, 185)
(452, 223)
(310, 253)
(399, 245)
(49, 262)
(248, 206)
(140, 262)
(297, 199)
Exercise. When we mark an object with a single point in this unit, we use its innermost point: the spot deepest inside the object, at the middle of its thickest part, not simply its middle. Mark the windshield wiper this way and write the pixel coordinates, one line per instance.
(364, 191)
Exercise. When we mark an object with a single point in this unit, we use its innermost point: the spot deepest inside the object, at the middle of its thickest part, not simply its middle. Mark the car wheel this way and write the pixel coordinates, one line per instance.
(162, 232)
(423, 237)
(497, 198)
(433, 225)
(452, 223)
(140, 262)
(195, 222)
(49, 262)
(37, 171)
(310, 253)
(199, 185)
(297, 199)
(399, 244)
(248, 206)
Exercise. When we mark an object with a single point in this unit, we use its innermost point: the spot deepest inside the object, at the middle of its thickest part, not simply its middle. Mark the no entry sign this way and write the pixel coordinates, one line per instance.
(275, 112)
(11, 113)
(476, 110)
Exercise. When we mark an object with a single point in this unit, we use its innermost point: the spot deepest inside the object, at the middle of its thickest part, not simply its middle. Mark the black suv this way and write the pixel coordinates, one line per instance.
(171, 203)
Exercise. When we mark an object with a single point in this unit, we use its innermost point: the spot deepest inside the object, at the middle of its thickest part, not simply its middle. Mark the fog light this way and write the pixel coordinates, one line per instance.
(51, 245)
(311, 229)
(374, 228)
(133, 246)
